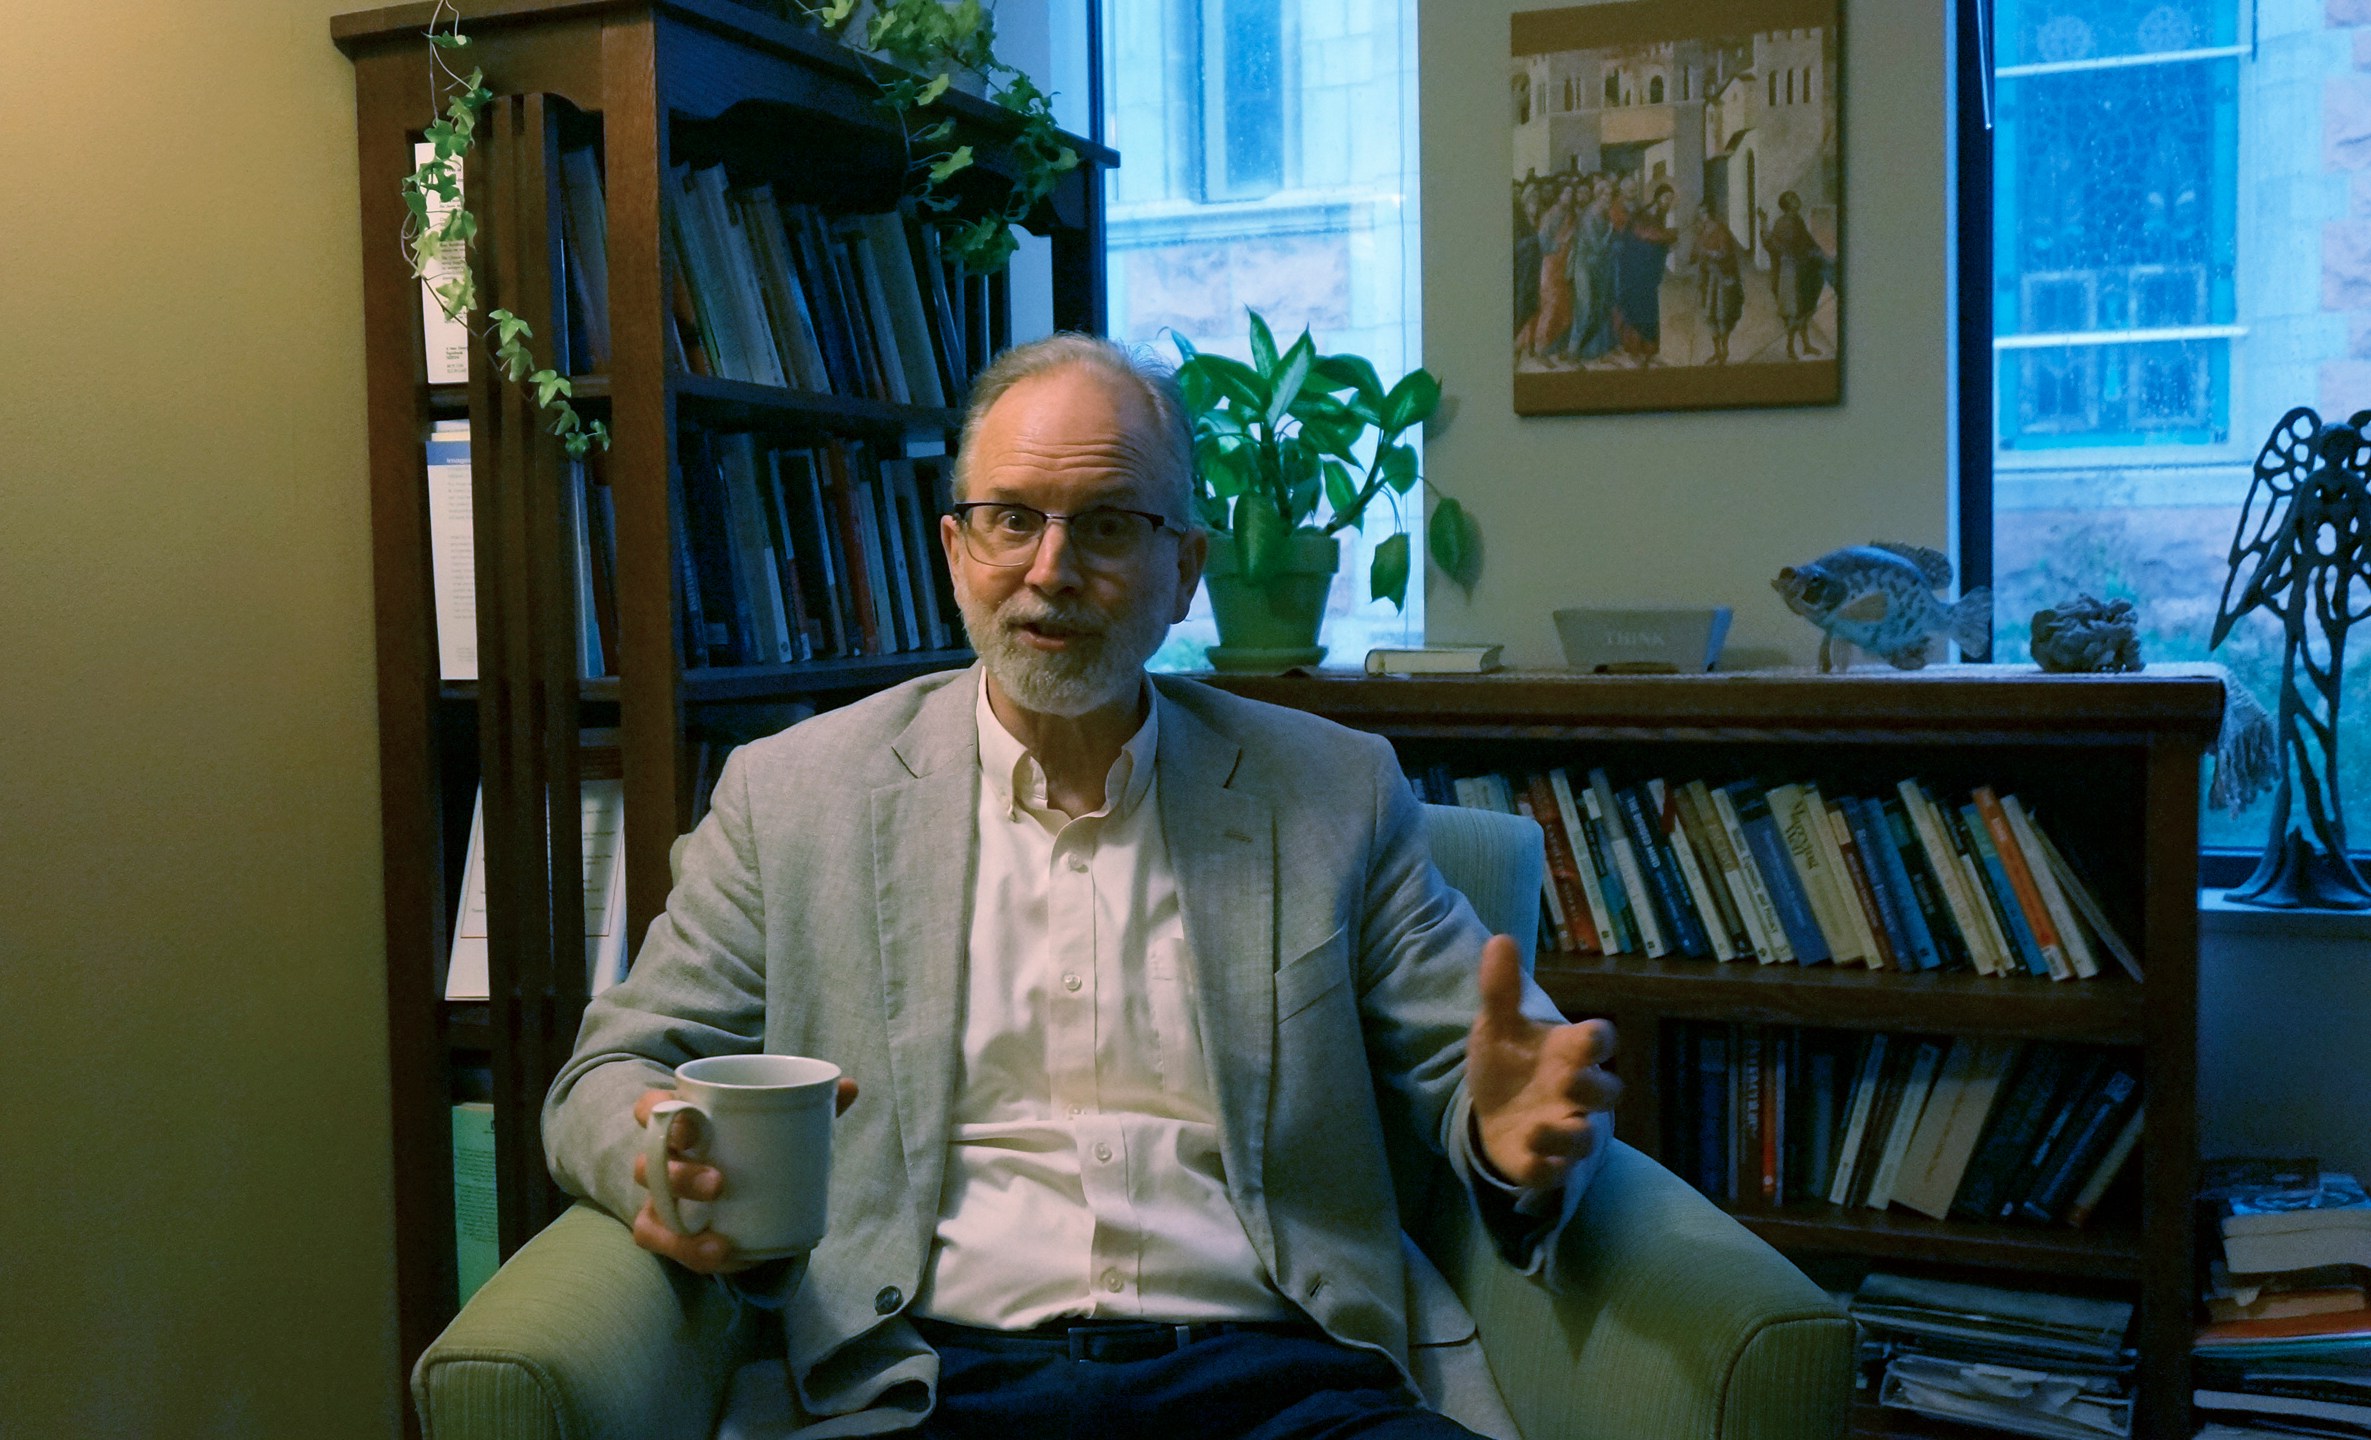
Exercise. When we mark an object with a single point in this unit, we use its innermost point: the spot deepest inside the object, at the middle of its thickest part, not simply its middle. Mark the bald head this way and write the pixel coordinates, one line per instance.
(1086, 397)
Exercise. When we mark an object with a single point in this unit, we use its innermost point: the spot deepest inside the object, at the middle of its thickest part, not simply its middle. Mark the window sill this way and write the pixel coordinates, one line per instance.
(2220, 917)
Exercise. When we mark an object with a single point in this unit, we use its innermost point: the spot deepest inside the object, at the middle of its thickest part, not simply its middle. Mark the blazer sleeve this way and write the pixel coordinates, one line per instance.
(697, 988)
(1421, 947)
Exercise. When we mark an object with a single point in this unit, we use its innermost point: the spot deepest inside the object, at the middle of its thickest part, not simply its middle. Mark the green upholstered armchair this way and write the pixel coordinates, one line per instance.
(1671, 1321)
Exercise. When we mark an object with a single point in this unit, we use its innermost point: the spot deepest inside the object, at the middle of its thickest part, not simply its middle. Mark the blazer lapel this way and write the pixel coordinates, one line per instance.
(923, 914)
(1222, 846)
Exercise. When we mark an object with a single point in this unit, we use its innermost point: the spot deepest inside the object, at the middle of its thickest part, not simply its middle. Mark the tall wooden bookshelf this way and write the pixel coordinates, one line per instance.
(649, 83)
(2112, 761)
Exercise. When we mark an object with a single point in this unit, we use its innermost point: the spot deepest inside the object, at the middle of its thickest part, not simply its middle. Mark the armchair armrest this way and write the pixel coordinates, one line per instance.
(583, 1336)
(1674, 1322)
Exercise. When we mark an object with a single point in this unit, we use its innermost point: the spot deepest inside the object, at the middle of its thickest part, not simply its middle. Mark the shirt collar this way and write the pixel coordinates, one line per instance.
(1018, 782)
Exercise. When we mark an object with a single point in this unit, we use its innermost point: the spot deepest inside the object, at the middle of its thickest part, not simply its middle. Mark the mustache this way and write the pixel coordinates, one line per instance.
(1039, 610)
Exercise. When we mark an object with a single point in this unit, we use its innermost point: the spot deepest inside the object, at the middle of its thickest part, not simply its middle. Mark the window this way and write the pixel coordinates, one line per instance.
(1271, 165)
(1242, 97)
(1613, 88)
(1655, 90)
(2156, 308)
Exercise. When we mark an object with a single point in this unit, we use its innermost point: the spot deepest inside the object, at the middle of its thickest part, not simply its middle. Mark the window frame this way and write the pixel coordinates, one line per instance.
(1972, 390)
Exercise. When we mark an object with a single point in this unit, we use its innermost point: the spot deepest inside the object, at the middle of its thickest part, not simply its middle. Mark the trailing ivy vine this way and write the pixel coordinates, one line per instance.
(929, 43)
(435, 185)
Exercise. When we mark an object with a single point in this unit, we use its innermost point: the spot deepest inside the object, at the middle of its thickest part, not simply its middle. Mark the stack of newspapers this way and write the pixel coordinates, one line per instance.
(2287, 1351)
(2025, 1362)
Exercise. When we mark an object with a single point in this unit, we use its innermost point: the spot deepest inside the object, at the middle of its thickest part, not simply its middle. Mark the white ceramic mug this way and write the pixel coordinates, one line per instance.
(765, 1122)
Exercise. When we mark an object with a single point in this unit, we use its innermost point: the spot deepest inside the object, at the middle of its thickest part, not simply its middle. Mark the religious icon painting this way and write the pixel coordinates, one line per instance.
(1677, 205)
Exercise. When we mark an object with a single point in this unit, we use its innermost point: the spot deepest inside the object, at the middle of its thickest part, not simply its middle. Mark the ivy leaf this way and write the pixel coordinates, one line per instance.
(836, 13)
(549, 383)
(509, 327)
(514, 359)
(1341, 492)
(1412, 401)
(932, 91)
(1388, 577)
(448, 40)
(598, 432)
(947, 167)
(932, 134)
(1263, 347)
(460, 226)
(1455, 542)
(1399, 468)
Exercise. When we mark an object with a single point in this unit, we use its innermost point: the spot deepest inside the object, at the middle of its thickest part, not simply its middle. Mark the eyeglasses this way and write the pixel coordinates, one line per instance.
(998, 533)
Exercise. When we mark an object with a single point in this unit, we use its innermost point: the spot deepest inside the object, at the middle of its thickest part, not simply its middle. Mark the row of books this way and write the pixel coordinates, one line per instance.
(1969, 1128)
(1784, 874)
(452, 555)
(2288, 1347)
(804, 553)
(1996, 1358)
(783, 294)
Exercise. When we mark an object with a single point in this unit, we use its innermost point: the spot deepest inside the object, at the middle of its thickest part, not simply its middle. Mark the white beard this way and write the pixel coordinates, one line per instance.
(1104, 666)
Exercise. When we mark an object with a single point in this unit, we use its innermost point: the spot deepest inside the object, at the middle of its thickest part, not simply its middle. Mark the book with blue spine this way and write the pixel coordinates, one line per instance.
(1672, 905)
(1895, 908)
(1934, 912)
(1607, 811)
(2004, 898)
(1778, 872)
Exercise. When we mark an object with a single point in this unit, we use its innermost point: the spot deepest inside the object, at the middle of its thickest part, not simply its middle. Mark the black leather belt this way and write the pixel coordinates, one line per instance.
(1110, 1342)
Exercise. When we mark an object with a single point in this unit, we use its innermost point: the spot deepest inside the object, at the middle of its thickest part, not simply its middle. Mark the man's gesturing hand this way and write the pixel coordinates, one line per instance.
(707, 1252)
(1534, 1086)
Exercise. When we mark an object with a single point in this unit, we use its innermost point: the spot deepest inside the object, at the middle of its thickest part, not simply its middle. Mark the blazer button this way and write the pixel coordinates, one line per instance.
(888, 1301)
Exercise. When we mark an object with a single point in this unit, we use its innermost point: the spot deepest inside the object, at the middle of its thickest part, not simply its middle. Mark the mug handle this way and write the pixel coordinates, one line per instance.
(654, 1161)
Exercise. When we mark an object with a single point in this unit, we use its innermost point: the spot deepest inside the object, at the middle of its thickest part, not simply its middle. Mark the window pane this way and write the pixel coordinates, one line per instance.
(1327, 240)
(2157, 309)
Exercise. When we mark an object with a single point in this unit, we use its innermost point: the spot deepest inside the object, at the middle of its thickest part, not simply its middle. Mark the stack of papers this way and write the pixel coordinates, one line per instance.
(2289, 1352)
(2023, 1361)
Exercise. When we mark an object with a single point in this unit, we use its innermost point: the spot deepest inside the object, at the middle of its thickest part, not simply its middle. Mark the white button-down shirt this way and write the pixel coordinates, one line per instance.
(1083, 1173)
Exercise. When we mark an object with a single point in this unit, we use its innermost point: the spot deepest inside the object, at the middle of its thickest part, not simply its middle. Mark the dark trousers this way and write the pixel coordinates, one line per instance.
(1252, 1384)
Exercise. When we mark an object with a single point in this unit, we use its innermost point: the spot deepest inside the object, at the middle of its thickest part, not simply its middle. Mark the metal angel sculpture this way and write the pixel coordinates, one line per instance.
(2303, 553)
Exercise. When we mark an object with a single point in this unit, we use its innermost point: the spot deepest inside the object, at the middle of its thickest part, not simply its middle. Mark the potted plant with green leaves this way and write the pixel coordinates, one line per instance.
(1289, 451)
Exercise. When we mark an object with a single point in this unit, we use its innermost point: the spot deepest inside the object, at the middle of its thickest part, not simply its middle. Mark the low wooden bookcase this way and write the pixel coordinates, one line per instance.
(2112, 761)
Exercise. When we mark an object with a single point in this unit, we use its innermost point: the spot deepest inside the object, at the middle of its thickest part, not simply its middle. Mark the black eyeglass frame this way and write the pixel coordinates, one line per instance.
(962, 513)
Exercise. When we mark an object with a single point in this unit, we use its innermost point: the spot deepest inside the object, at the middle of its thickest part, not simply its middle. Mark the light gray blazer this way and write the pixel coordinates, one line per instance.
(824, 908)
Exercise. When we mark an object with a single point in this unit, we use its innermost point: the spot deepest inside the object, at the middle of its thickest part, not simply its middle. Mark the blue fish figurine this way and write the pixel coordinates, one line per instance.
(1881, 598)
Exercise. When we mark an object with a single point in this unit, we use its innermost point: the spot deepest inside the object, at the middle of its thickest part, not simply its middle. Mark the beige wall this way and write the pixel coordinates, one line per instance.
(1686, 509)
(190, 955)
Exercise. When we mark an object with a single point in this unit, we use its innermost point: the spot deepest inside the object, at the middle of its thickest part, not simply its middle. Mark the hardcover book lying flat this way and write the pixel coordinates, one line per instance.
(1433, 660)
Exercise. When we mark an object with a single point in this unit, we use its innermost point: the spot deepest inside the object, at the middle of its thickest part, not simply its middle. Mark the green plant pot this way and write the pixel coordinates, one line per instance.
(1268, 626)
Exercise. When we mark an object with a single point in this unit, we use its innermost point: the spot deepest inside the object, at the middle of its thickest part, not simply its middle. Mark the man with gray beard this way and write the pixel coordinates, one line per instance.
(1139, 987)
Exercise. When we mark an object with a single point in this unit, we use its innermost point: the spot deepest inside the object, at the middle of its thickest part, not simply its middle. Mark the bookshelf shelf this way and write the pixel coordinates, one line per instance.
(597, 157)
(770, 682)
(2106, 1011)
(2108, 1253)
(2109, 766)
(716, 683)
(737, 402)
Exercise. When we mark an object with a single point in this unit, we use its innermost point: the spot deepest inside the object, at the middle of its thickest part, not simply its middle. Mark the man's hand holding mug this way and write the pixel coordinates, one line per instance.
(749, 1137)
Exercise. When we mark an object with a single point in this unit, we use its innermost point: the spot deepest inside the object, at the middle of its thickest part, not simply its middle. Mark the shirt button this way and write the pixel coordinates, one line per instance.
(1070, 982)
(888, 1301)
(1077, 1110)
(1112, 1281)
(1102, 1151)
(1078, 864)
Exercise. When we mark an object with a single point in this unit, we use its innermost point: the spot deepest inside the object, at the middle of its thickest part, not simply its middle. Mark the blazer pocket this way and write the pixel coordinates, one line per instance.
(1313, 974)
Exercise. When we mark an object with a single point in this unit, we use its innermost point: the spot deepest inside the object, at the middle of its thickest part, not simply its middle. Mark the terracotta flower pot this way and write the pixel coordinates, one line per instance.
(1270, 625)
